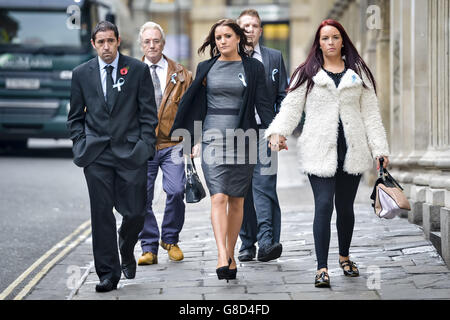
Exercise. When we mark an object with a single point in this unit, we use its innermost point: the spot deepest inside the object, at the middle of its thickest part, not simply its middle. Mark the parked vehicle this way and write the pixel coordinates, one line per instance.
(40, 43)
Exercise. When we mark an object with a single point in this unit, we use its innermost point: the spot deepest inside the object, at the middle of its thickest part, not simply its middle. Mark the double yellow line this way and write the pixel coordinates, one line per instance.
(68, 243)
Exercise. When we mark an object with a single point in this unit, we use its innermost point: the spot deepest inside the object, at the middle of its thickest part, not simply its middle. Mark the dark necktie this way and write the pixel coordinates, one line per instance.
(156, 86)
(109, 86)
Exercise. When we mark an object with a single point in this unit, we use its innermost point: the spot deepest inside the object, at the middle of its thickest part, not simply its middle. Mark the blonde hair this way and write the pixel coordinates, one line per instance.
(251, 13)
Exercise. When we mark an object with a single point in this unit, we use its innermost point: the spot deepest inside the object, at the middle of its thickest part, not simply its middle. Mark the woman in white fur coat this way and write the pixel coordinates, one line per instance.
(342, 135)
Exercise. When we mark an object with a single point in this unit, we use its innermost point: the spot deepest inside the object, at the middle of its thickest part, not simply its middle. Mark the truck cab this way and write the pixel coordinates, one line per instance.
(41, 41)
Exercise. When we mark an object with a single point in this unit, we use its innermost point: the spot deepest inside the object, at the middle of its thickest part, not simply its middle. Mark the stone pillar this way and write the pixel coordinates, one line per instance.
(414, 92)
(354, 24)
(365, 38)
(438, 154)
(305, 17)
(395, 64)
(383, 65)
(301, 32)
(440, 56)
(406, 81)
(204, 14)
(421, 90)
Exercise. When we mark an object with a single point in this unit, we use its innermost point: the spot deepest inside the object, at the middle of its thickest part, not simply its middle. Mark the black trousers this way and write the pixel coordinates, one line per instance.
(111, 185)
(342, 188)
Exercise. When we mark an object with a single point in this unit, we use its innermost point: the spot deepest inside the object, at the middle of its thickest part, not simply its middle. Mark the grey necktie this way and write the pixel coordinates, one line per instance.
(156, 86)
(109, 86)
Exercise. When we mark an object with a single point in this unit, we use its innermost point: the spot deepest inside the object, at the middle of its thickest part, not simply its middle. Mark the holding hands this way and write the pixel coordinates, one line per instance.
(277, 142)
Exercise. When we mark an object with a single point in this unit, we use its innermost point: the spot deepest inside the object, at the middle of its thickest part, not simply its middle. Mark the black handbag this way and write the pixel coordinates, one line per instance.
(194, 188)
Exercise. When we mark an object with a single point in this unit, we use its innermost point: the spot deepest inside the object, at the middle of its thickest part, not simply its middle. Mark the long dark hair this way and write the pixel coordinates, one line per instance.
(308, 69)
(211, 41)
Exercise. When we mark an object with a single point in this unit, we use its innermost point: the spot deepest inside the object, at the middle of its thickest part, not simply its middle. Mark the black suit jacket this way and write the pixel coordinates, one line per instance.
(276, 76)
(130, 125)
(193, 105)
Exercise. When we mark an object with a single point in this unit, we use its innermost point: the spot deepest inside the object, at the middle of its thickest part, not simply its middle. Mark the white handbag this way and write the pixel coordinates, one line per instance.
(388, 199)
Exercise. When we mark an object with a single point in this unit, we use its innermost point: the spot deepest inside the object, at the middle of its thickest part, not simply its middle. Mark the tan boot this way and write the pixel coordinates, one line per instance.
(148, 258)
(175, 253)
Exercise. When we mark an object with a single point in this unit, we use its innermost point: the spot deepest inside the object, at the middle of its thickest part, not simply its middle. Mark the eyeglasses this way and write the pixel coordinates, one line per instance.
(147, 42)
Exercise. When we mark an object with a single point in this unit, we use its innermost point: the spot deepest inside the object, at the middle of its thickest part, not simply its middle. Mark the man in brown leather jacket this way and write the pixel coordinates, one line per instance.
(170, 81)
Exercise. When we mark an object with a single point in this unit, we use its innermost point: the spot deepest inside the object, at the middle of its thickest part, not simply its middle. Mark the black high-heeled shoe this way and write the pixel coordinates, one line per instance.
(222, 272)
(231, 272)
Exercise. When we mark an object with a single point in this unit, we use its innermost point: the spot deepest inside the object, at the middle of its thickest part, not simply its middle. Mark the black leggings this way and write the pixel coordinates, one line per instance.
(343, 188)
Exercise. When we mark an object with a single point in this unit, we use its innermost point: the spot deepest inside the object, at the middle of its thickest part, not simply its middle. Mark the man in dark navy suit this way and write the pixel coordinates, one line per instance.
(262, 214)
(112, 121)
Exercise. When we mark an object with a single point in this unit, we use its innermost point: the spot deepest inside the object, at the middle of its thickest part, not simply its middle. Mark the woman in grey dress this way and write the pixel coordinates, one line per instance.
(223, 97)
(224, 92)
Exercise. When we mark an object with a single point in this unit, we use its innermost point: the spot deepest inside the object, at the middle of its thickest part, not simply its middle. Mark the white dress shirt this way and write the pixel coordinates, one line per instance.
(257, 53)
(161, 71)
(102, 64)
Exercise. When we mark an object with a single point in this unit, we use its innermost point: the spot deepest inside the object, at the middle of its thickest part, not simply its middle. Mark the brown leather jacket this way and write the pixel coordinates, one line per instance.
(170, 100)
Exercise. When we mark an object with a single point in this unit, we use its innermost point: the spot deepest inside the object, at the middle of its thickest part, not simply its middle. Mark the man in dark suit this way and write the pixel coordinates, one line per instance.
(112, 122)
(262, 214)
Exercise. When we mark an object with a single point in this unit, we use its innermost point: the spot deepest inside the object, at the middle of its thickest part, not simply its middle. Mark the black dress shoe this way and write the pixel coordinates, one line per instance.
(270, 252)
(129, 269)
(105, 285)
(246, 255)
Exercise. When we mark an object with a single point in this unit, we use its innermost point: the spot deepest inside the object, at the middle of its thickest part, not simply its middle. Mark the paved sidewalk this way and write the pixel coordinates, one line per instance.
(395, 260)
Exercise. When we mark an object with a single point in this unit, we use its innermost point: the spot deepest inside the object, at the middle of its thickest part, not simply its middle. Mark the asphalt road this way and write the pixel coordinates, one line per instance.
(43, 199)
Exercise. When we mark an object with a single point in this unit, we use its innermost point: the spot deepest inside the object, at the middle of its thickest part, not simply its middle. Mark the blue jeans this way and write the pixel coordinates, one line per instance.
(174, 180)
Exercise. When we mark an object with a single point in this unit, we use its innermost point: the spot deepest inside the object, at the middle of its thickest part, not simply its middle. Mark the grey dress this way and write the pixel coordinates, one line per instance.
(226, 167)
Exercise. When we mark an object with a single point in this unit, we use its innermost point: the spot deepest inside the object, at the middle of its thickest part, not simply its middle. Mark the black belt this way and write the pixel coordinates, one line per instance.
(223, 111)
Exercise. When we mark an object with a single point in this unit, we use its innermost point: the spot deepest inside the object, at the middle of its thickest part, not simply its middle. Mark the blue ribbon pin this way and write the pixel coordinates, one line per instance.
(242, 78)
(274, 72)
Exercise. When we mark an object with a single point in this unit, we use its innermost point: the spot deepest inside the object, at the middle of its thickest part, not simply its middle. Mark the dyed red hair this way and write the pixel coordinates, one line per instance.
(308, 69)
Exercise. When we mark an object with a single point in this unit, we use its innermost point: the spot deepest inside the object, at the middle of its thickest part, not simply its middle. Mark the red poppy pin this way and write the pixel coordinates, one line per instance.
(124, 71)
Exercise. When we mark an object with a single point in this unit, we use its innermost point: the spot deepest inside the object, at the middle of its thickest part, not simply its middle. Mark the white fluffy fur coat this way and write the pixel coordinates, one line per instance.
(317, 146)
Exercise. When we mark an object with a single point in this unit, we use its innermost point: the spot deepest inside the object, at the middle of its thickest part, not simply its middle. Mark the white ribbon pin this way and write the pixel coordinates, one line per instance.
(172, 78)
(119, 83)
(274, 72)
(242, 78)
